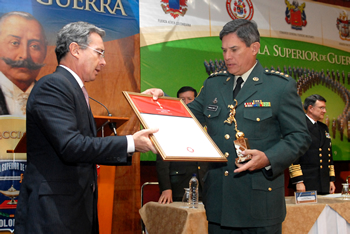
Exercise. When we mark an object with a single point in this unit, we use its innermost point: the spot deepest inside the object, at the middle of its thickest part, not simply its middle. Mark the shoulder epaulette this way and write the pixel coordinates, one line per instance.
(277, 73)
(218, 73)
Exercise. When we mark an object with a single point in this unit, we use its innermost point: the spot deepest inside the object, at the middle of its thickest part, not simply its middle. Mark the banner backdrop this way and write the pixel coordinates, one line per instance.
(305, 39)
(33, 40)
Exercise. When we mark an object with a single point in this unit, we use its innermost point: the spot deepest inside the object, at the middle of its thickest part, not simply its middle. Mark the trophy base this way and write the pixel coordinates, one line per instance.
(241, 144)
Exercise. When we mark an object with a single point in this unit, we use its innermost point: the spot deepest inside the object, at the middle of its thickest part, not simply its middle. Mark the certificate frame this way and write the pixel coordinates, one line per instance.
(180, 137)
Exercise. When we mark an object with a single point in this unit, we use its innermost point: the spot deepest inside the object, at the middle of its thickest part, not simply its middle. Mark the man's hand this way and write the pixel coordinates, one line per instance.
(300, 187)
(142, 141)
(166, 197)
(155, 92)
(331, 187)
(258, 161)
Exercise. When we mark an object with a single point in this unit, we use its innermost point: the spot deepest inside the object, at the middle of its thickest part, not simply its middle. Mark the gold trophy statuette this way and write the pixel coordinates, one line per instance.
(241, 143)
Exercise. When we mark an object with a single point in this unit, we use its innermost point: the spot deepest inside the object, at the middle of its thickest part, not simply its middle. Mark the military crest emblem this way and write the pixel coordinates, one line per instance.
(240, 9)
(295, 15)
(174, 7)
(343, 25)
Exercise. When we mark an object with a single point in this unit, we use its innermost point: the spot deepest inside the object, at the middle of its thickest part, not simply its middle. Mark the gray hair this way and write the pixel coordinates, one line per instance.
(246, 30)
(78, 32)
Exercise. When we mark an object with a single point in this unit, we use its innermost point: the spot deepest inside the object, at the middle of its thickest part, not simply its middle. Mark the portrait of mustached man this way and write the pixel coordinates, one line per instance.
(22, 53)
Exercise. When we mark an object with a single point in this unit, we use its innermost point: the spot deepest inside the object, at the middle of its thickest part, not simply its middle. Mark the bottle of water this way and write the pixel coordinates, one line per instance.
(193, 199)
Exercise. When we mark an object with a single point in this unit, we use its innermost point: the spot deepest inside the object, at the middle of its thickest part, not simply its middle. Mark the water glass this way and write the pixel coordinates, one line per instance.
(185, 198)
(345, 191)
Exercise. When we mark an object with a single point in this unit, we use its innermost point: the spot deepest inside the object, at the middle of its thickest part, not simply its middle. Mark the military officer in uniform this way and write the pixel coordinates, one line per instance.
(249, 197)
(315, 170)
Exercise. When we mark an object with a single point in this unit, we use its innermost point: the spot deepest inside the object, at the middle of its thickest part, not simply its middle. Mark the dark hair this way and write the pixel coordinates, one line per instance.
(311, 100)
(78, 32)
(185, 89)
(246, 30)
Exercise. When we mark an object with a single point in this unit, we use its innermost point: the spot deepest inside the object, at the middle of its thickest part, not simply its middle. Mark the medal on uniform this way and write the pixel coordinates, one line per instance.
(241, 143)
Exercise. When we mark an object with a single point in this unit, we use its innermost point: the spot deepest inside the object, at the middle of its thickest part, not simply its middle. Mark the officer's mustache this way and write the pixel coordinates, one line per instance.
(25, 63)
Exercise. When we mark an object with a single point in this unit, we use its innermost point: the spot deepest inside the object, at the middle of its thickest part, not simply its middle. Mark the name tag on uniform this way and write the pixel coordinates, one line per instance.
(212, 108)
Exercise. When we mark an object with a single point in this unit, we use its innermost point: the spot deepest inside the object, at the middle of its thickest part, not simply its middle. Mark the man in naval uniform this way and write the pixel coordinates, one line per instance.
(315, 169)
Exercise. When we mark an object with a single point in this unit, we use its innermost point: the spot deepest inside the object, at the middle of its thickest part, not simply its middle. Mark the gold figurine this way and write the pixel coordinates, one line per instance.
(241, 143)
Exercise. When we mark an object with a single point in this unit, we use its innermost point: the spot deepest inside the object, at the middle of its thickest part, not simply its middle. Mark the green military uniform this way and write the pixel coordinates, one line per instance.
(277, 127)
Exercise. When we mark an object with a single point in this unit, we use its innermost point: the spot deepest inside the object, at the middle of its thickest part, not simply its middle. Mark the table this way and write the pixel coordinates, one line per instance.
(328, 215)
(174, 218)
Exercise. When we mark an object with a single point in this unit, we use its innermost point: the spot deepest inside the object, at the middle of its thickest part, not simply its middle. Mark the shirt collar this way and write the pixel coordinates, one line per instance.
(10, 89)
(76, 77)
(246, 75)
(312, 121)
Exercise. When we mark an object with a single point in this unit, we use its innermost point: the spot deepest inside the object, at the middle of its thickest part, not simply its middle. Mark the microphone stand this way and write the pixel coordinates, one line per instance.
(112, 125)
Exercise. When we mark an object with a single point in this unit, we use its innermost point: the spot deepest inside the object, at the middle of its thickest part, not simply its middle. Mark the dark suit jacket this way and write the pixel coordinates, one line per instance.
(251, 199)
(316, 166)
(176, 176)
(59, 193)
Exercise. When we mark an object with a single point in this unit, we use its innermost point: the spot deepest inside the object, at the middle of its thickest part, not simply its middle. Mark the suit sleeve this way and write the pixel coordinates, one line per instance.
(59, 114)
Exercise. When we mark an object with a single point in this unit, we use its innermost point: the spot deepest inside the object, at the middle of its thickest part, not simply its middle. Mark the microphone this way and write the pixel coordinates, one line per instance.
(112, 125)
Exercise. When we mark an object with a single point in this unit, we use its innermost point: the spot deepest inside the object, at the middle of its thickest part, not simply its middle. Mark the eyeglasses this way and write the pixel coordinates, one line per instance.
(102, 53)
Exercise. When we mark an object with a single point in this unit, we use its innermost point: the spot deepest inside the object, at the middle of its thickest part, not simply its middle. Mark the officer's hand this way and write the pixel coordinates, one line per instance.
(166, 197)
(331, 187)
(155, 92)
(258, 161)
(300, 187)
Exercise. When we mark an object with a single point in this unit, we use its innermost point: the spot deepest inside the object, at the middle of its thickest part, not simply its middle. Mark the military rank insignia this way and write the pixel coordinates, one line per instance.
(257, 103)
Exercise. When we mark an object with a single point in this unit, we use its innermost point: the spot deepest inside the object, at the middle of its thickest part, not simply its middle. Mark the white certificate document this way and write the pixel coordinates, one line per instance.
(180, 136)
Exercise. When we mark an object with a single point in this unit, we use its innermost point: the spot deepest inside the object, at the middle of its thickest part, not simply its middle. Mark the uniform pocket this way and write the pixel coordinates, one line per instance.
(259, 122)
(212, 112)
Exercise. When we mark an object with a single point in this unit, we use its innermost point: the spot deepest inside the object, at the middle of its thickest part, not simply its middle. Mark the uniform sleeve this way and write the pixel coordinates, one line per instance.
(163, 173)
(295, 139)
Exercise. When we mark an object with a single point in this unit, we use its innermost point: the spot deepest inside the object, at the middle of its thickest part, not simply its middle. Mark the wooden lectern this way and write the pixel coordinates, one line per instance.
(102, 121)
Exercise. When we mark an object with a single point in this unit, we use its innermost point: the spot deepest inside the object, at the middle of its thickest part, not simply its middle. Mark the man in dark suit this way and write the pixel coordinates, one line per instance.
(59, 193)
(315, 169)
(173, 177)
(249, 197)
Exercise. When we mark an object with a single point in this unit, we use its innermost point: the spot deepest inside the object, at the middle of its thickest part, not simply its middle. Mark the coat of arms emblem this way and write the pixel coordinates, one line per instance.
(295, 15)
(343, 25)
(240, 9)
(174, 7)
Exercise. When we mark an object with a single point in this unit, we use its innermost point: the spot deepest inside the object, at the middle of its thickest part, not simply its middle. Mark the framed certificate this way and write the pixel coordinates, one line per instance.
(180, 137)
